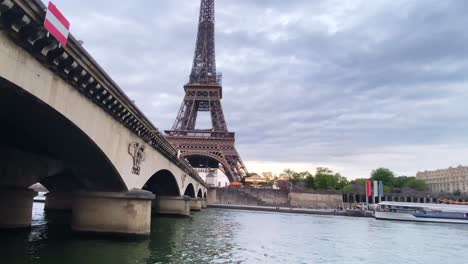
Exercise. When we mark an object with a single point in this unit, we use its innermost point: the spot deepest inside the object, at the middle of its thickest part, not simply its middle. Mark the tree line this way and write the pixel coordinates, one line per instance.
(326, 179)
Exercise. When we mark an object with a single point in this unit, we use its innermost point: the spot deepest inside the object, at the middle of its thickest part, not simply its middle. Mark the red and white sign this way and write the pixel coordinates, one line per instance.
(57, 24)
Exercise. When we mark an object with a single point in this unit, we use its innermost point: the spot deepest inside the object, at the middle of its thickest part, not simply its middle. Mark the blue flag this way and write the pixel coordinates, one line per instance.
(381, 193)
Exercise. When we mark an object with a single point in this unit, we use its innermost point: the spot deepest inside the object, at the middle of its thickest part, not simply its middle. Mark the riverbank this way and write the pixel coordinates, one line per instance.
(349, 213)
(292, 210)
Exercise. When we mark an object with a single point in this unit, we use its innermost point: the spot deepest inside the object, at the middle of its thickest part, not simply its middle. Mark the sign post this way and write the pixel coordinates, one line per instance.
(56, 24)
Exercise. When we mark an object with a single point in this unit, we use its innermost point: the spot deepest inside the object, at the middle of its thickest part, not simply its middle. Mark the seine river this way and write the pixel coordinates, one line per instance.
(230, 236)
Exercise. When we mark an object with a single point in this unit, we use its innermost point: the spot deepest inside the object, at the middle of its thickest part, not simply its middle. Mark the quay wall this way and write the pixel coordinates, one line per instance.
(315, 200)
(235, 197)
(270, 197)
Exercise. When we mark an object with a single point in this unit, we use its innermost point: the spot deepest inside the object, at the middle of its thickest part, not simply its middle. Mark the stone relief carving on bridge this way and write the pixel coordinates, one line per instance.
(137, 151)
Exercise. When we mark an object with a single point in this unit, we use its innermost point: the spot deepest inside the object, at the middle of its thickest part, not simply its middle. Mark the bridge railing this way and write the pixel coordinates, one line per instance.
(201, 134)
(23, 21)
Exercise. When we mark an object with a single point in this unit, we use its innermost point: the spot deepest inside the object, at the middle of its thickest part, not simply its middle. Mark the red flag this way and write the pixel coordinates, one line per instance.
(368, 189)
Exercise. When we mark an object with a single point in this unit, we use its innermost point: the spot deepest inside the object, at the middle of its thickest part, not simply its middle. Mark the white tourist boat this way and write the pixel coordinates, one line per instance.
(441, 213)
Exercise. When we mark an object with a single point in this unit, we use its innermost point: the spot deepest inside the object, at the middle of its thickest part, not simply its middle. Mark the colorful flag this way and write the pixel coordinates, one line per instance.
(56, 24)
(376, 189)
(368, 189)
(381, 192)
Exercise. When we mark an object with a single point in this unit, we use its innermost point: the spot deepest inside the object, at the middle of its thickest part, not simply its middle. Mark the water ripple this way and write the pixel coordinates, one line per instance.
(231, 236)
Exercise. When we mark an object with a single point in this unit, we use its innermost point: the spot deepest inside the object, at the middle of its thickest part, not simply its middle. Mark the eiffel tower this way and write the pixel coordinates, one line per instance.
(206, 148)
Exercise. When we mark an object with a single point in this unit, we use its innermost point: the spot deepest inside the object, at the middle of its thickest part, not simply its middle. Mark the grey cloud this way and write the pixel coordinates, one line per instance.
(324, 82)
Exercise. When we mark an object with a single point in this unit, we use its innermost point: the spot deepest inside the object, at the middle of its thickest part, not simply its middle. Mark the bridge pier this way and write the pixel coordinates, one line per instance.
(16, 207)
(211, 196)
(195, 204)
(127, 213)
(172, 205)
(204, 204)
(59, 201)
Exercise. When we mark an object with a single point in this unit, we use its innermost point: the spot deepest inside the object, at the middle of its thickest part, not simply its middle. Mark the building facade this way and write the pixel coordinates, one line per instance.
(446, 180)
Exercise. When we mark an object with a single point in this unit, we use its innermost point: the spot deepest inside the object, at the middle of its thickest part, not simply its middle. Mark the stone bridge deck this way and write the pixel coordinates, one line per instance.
(67, 124)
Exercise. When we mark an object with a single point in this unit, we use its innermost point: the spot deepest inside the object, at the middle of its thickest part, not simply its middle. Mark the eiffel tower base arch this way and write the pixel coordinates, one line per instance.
(211, 153)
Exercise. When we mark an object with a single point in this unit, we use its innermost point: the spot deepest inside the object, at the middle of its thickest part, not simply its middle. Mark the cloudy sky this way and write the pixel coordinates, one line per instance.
(349, 84)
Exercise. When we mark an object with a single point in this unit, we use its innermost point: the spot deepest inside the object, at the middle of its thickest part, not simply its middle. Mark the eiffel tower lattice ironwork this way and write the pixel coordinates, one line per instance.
(207, 148)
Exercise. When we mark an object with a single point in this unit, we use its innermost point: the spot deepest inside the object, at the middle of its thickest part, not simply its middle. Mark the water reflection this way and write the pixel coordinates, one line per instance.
(199, 239)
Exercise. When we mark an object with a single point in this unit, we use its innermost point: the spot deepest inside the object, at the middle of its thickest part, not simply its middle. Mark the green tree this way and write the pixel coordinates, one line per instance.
(310, 181)
(325, 179)
(341, 181)
(289, 173)
(409, 182)
(324, 170)
(383, 174)
(356, 186)
(399, 182)
(348, 188)
(387, 189)
(360, 181)
(416, 184)
(270, 183)
(298, 177)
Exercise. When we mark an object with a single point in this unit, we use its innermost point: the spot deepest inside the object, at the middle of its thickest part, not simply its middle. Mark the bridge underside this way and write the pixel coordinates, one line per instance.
(163, 183)
(198, 161)
(40, 145)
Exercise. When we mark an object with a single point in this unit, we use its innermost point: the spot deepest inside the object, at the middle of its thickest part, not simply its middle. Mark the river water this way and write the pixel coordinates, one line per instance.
(231, 236)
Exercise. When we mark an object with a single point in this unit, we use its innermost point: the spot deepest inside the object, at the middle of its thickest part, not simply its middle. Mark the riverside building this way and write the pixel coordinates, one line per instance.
(446, 180)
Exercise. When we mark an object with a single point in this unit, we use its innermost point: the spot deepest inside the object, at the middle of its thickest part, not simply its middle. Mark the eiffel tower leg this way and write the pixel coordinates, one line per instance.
(217, 116)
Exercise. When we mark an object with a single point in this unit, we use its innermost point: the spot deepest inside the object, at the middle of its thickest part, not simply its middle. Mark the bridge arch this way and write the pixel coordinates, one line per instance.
(90, 115)
(190, 191)
(199, 194)
(204, 195)
(37, 131)
(210, 159)
(162, 183)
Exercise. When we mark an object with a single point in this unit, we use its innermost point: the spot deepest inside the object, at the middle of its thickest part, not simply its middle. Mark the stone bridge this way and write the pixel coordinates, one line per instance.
(66, 124)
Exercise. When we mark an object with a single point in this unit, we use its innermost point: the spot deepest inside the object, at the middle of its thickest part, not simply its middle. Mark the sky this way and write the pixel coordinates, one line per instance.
(352, 85)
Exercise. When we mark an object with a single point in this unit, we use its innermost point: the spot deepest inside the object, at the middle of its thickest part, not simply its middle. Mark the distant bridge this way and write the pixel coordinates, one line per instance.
(66, 124)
